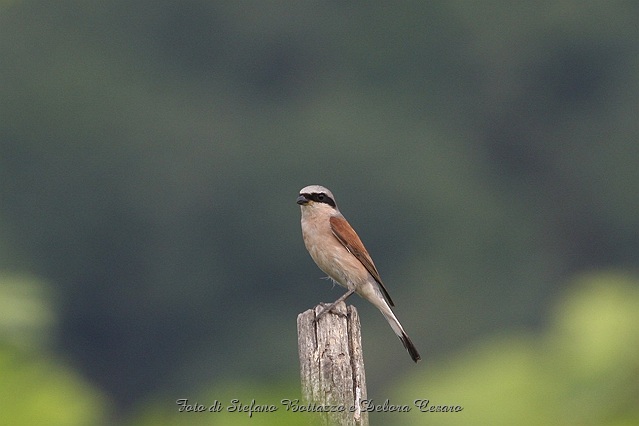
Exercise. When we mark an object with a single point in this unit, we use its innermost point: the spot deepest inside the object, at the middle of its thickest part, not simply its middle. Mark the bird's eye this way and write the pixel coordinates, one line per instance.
(320, 197)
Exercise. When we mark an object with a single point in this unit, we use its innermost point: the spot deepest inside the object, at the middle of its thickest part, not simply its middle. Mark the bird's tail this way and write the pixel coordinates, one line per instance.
(408, 344)
(399, 331)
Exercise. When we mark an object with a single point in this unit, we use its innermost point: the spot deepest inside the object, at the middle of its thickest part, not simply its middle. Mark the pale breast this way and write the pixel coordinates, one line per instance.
(331, 256)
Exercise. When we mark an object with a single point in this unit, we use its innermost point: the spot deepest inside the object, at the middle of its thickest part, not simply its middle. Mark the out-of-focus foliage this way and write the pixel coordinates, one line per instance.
(584, 369)
(27, 317)
(35, 387)
(581, 369)
(151, 152)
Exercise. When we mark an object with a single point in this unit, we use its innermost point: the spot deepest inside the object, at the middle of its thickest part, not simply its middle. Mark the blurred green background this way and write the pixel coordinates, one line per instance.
(150, 156)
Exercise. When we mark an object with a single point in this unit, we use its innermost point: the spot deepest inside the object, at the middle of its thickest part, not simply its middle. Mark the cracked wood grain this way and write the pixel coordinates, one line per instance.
(332, 365)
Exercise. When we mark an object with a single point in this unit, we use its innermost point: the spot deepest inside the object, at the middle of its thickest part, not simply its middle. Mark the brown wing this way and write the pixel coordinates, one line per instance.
(346, 235)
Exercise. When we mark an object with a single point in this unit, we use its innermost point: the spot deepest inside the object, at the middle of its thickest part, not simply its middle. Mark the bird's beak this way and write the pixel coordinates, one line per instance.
(301, 200)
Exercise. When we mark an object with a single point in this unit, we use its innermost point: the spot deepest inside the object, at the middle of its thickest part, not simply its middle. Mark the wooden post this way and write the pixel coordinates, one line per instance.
(332, 365)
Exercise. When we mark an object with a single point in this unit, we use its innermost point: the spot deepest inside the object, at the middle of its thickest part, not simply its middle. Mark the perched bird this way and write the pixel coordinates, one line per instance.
(337, 250)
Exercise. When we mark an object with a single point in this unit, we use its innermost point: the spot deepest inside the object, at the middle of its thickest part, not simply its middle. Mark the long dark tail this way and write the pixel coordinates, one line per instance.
(377, 298)
(399, 331)
(408, 344)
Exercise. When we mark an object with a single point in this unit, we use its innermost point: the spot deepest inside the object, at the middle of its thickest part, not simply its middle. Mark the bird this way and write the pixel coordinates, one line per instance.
(338, 251)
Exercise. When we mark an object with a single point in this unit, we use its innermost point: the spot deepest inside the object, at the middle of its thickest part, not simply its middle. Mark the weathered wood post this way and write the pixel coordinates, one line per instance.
(332, 365)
